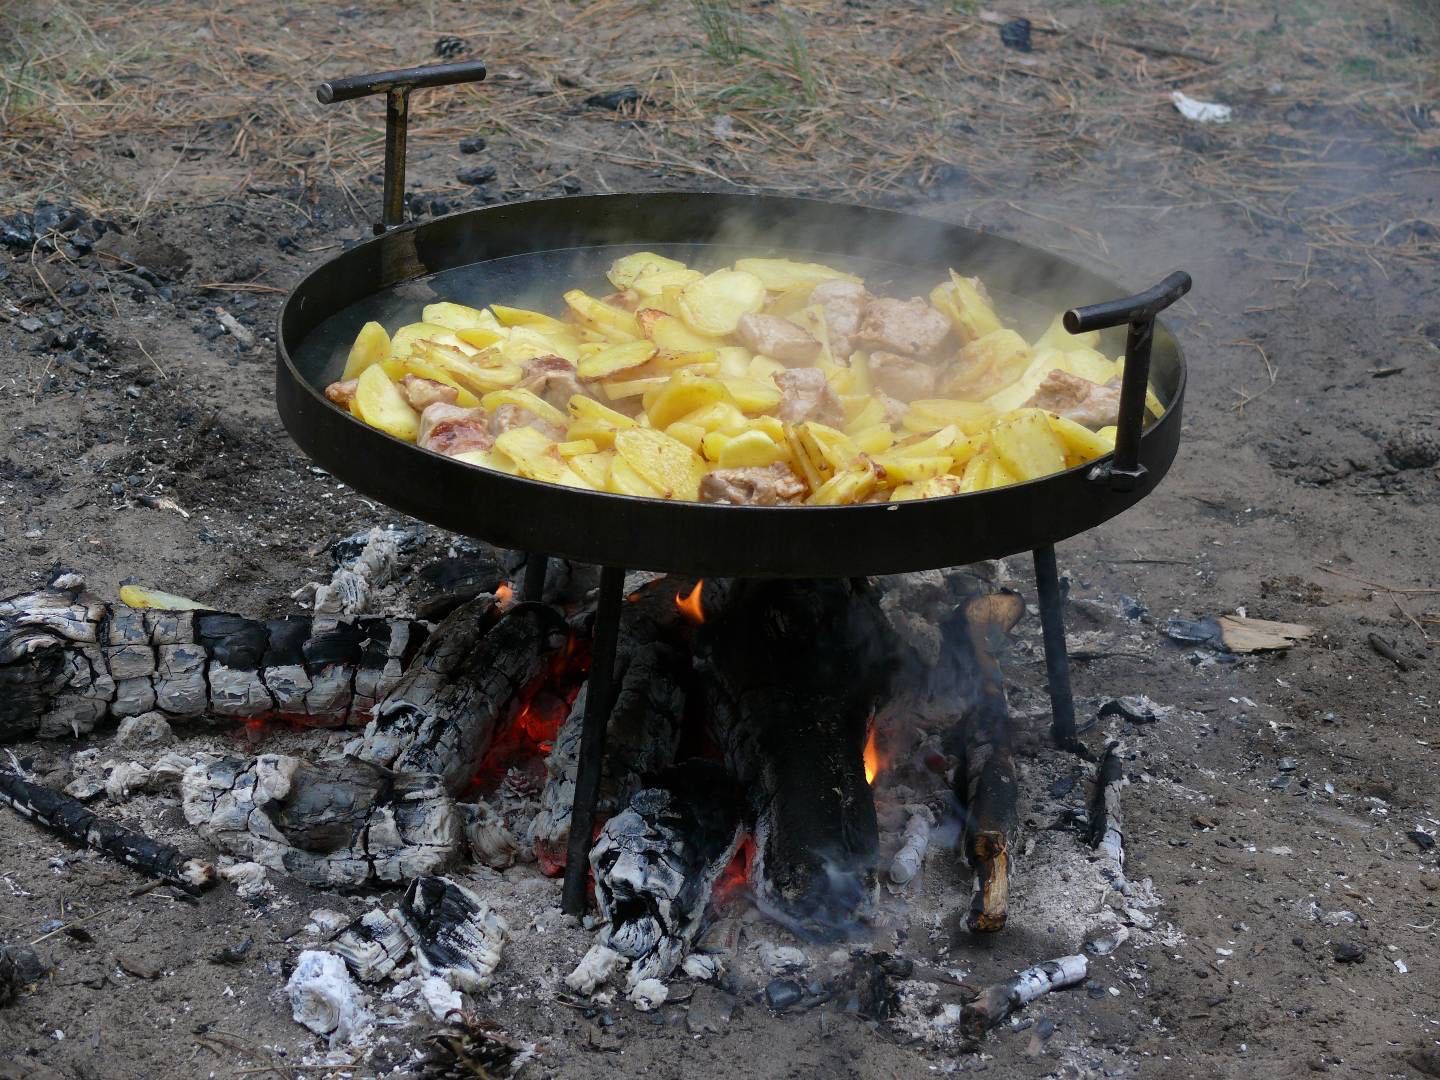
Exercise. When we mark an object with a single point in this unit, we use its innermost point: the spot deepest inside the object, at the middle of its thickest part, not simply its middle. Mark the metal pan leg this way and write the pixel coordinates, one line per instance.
(533, 588)
(1057, 660)
(599, 696)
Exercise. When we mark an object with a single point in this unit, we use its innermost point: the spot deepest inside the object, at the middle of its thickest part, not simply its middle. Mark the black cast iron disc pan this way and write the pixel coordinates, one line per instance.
(528, 254)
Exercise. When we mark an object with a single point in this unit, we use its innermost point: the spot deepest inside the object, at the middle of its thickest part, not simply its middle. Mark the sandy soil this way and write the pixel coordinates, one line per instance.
(1271, 809)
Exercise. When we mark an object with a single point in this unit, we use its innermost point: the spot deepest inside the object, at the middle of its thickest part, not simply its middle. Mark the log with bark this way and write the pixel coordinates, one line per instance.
(73, 820)
(70, 662)
(792, 671)
(998, 1001)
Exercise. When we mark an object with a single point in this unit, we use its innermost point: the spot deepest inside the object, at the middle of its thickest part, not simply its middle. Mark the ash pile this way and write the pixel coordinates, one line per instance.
(817, 796)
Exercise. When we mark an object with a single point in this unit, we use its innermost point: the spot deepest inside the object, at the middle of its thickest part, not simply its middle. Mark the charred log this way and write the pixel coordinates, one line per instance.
(1106, 821)
(441, 716)
(656, 862)
(69, 663)
(456, 935)
(339, 821)
(372, 946)
(792, 672)
(71, 819)
(997, 1002)
(985, 782)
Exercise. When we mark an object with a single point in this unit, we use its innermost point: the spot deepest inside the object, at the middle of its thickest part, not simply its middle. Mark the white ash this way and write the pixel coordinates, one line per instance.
(491, 843)
(349, 590)
(443, 1000)
(249, 878)
(594, 969)
(146, 731)
(324, 999)
(702, 968)
(648, 994)
(781, 959)
(326, 921)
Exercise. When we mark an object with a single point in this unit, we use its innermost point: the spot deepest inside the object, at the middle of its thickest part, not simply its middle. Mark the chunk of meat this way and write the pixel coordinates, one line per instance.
(807, 396)
(342, 393)
(552, 378)
(769, 486)
(842, 303)
(780, 339)
(422, 393)
(449, 429)
(901, 376)
(508, 417)
(1081, 400)
(911, 327)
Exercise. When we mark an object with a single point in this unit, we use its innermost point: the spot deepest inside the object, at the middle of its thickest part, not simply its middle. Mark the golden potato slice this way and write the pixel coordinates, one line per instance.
(712, 444)
(966, 304)
(750, 449)
(1108, 434)
(864, 413)
(829, 449)
(715, 304)
(479, 337)
(594, 468)
(937, 442)
(935, 487)
(587, 408)
(682, 395)
(671, 334)
(537, 458)
(575, 447)
(844, 488)
(873, 440)
(1057, 337)
(753, 395)
(625, 271)
(734, 361)
(1079, 441)
(719, 416)
(929, 414)
(800, 460)
(790, 301)
(617, 389)
(624, 480)
(779, 275)
(905, 468)
(372, 345)
(469, 371)
(615, 324)
(382, 405)
(403, 343)
(524, 343)
(488, 459)
(596, 431)
(458, 316)
(1026, 446)
(1023, 389)
(611, 361)
(692, 435)
(668, 465)
(999, 476)
(988, 365)
(1087, 364)
(976, 476)
(424, 369)
(525, 400)
(763, 369)
(536, 320)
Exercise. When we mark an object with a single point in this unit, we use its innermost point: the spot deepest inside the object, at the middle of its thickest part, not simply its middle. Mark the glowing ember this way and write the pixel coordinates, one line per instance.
(873, 762)
(735, 879)
(504, 594)
(690, 605)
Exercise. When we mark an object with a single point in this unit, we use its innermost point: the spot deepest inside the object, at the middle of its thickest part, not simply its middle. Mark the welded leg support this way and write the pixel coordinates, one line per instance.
(599, 695)
(533, 587)
(1057, 660)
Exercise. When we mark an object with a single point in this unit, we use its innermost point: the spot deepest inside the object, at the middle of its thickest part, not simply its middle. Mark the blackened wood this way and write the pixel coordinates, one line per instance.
(456, 935)
(1106, 821)
(792, 671)
(71, 819)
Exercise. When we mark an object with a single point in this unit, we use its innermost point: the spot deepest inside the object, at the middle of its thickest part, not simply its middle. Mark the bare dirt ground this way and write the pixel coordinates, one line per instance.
(1276, 811)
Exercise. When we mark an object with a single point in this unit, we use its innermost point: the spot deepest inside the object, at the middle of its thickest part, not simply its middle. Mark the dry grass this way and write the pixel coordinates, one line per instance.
(1335, 132)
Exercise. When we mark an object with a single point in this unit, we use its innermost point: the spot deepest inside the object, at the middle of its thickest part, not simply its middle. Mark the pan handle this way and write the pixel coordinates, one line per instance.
(396, 86)
(1124, 471)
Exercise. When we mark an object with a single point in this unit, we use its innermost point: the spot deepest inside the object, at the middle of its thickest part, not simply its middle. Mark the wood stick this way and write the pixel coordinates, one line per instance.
(73, 820)
(1107, 823)
(998, 1001)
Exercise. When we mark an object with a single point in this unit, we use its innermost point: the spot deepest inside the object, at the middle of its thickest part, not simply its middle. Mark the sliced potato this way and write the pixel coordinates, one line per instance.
(587, 408)
(594, 468)
(790, 301)
(779, 275)
(1027, 446)
(616, 389)
(1023, 389)
(402, 344)
(1087, 364)
(524, 343)
(715, 304)
(937, 442)
(935, 487)
(525, 400)
(626, 271)
(424, 369)
(537, 458)
(966, 304)
(469, 371)
(615, 324)
(611, 361)
(1057, 337)
(382, 405)
(753, 395)
(829, 449)
(850, 486)
(692, 435)
(989, 365)
(671, 334)
(905, 468)
(575, 447)
(721, 416)
(488, 459)
(764, 369)
(976, 476)
(682, 395)
(372, 345)
(801, 460)
(479, 337)
(1079, 441)
(595, 431)
(873, 440)
(458, 317)
(750, 449)
(929, 414)
(536, 320)
(667, 464)
(624, 480)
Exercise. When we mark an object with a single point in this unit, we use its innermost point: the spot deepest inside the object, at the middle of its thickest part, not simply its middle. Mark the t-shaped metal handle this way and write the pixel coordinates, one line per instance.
(1125, 470)
(396, 86)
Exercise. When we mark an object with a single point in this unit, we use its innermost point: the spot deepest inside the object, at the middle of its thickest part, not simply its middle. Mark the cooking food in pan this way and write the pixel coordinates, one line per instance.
(768, 382)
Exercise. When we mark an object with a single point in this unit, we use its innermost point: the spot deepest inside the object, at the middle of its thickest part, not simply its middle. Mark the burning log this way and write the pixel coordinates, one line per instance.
(656, 862)
(792, 672)
(1107, 823)
(72, 820)
(440, 717)
(339, 821)
(998, 1001)
(69, 662)
(985, 783)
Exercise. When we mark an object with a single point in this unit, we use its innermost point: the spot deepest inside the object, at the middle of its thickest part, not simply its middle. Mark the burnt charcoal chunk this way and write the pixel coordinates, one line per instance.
(339, 645)
(472, 144)
(476, 174)
(232, 640)
(614, 99)
(286, 641)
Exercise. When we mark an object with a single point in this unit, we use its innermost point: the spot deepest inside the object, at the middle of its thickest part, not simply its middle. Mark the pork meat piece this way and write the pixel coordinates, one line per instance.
(449, 429)
(901, 376)
(422, 393)
(780, 339)
(808, 396)
(342, 393)
(552, 378)
(911, 327)
(752, 487)
(509, 417)
(1078, 399)
(842, 303)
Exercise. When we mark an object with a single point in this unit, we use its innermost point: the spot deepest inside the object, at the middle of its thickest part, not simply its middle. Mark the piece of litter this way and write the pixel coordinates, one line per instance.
(1202, 112)
(1400, 967)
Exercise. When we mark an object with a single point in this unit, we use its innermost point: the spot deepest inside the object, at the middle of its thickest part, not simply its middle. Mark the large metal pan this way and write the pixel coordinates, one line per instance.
(528, 253)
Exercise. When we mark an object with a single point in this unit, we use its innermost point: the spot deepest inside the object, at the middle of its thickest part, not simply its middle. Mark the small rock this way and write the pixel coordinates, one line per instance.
(1136, 709)
(780, 994)
(472, 144)
(1015, 34)
(1423, 840)
(449, 47)
(1287, 764)
(30, 324)
(1347, 952)
(614, 99)
(145, 731)
(137, 966)
(476, 174)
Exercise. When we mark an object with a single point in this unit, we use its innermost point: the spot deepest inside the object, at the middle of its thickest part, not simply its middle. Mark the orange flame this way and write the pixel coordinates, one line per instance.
(690, 605)
(873, 762)
(504, 594)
